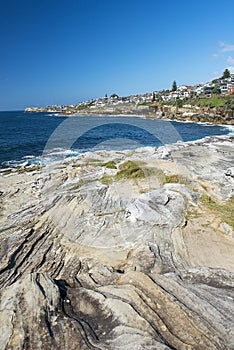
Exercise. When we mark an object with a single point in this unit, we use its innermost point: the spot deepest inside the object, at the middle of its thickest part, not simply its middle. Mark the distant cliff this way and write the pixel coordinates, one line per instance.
(35, 109)
(216, 115)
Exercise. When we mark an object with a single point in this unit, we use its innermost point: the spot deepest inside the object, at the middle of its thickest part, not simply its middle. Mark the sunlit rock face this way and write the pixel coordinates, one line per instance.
(99, 258)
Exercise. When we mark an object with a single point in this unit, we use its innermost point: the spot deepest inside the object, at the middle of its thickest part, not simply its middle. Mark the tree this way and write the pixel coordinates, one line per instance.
(174, 86)
(216, 90)
(114, 96)
(179, 102)
(154, 97)
(226, 74)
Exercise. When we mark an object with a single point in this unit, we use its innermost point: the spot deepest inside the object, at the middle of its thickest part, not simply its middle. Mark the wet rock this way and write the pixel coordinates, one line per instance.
(230, 172)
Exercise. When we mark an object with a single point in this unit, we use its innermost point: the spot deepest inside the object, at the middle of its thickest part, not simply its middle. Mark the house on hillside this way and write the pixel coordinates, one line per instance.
(198, 89)
(231, 79)
(208, 89)
(224, 89)
(182, 88)
(231, 90)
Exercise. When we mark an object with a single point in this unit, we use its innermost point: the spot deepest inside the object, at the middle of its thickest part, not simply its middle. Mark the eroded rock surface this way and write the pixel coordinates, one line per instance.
(95, 258)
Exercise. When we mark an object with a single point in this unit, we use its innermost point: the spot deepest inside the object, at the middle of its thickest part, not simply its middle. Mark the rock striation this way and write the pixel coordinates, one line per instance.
(92, 257)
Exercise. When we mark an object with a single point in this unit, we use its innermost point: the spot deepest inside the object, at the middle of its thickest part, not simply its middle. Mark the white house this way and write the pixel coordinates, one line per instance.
(224, 88)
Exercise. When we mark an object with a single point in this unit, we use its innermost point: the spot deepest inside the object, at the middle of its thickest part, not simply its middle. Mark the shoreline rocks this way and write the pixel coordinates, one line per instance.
(134, 257)
(192, 114)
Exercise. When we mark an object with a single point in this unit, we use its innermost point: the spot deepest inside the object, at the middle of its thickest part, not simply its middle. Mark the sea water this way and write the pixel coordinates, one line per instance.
(31, 138)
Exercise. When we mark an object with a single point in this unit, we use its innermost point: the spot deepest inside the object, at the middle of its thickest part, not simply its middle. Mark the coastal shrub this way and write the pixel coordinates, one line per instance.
(96, 163)
(225, 210)
(7, 172)
(27, 170)
(109, 165)
(214, 101)
(129, 170)
(175, 178)
(107, 179)
(22, 170)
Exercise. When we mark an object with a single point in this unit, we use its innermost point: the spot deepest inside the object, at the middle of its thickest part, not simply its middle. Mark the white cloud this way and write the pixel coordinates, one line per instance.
(226, 47)
(215, 56)
(215, 74)
(230, 60)
(231, 69)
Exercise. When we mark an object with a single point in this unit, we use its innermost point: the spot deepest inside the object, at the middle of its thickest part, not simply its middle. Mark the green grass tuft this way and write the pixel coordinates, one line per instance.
(22, 170)
(175, 178)
(107, 179)
(7, 172)
(225, 211)
(109, 165)
(28, 170)
(129, 170)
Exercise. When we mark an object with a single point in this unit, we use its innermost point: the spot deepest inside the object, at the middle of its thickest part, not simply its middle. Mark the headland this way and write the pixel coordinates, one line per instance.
(211, 102)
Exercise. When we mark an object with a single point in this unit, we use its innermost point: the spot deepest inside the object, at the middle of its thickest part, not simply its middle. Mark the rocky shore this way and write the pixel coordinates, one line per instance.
(217, 115)
(120, 250)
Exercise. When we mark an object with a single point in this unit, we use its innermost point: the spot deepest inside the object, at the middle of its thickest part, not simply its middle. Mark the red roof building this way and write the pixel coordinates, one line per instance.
(231, 90)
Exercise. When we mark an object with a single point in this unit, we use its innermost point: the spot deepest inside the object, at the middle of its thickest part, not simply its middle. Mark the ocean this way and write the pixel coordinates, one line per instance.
(33, 138)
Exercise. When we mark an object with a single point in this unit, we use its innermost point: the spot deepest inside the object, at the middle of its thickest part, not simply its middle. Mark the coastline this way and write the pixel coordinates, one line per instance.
(102, 115)
(59, 155)
(143, 116)
(179, 118)
(217, 115)
(110, 226)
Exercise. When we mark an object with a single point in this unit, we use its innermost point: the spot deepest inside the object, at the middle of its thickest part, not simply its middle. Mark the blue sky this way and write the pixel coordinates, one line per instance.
(66, 51)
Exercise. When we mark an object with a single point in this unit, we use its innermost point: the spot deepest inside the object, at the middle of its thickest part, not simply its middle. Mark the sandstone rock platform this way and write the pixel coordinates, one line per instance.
(120, 250)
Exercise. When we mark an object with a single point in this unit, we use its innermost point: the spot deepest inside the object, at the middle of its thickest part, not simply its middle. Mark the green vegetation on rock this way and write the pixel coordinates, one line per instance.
(130, 170)
(28, 170)
(127, 170)
(225, 211)
(109, 165)
(107, 179)
(22, 170)
(175, 178)
(214, 101)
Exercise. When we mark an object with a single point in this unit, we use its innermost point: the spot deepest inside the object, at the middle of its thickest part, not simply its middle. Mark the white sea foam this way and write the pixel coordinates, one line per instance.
(230, 128)
(61, 152)
(51, 156)
(55, 155)
(29, 157)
